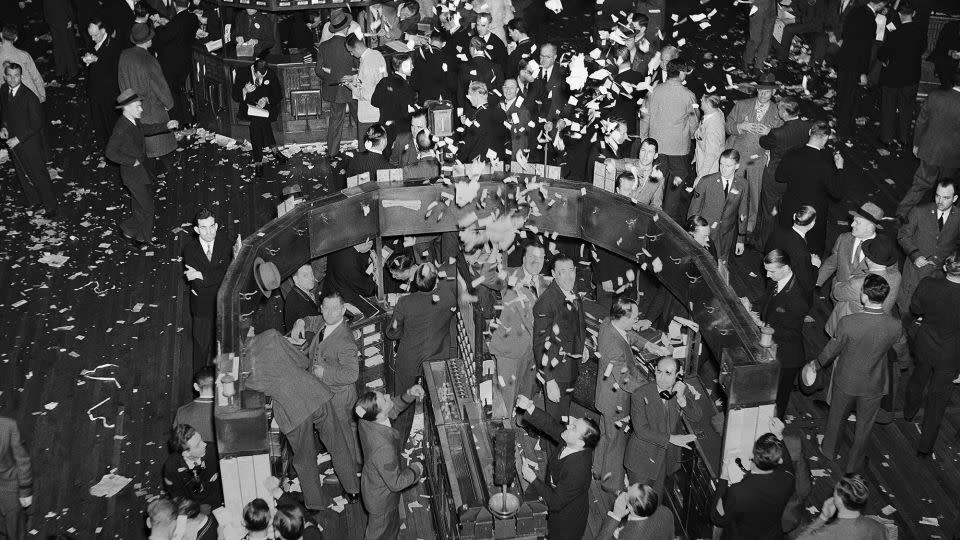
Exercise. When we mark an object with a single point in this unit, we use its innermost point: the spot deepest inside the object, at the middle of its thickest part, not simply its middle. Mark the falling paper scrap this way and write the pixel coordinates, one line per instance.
(109, 485)
(55, 260)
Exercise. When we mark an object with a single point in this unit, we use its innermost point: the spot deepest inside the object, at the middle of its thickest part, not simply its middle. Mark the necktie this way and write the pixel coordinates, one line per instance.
(858, 252)
(208, 250)
(543, 74)
(940, 221)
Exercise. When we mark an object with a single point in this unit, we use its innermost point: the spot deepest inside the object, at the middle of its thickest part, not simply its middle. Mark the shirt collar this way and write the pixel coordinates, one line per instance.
(622, 333)
(946, 213)
(801, 233)
(97, 45)
(207, 246)
(330, 328)
(15, 89)
(781, 283)
(568, 451)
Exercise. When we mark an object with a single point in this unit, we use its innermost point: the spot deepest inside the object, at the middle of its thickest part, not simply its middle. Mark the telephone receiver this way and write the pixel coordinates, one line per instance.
(667, 395)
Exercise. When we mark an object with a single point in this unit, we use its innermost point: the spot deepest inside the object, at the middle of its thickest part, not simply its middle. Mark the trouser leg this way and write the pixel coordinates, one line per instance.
(906, 103)
(784, 387)
(867, 409)
(840, 405)
(915, 386)
(11, 524)
(404, 421)
(888, 112)
(383, 526)
(334, 437)
(305, 463)
(766, 36)
(676, 200)
(140, 224)
(338, 113)
(753, 172)
(846, 96)
(938, 396)
(202, 341)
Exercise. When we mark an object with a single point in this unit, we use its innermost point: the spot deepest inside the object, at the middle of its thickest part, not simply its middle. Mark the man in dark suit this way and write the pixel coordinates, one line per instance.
(252, 25)
(301, 301)
(811, 18)
(173, 44)
(935, 350)
(645, 516)
(371, 159)
(793, 242)
(434, 70)
(102, 89)
(523, 47)
(653, 451)
(559, 337)
(347, 273)
(548, 95)
(21, 118)
(853, 61)
(478, 68)
(620, 376)
(257, 90)
(860, 346)
(565, 487)
(118, 14)
(16, 479)
(404, 150)
(722, 198)
(783, 308)
(936, 138)
(59, 17)
(517, 116)
(334, 62)
(199, 412)
(188, 472)
(483, 133)
(494, 47)
(812, 178)
(205, 262)
(395, 98)
(126, 148)
(901, 55)
(421, 325)
(930, 235)
(763, 16)
(792, 134)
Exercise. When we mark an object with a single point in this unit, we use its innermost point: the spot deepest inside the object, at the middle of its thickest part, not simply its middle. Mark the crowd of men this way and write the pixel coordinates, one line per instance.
(634, 105)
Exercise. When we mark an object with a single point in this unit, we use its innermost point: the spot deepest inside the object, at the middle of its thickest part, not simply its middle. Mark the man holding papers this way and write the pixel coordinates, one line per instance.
(258, 91)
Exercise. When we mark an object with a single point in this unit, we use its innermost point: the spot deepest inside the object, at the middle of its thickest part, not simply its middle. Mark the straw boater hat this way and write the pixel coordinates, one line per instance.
(339, 20)
(141, 33)
(126, 97)
(871, 212)
(266, 275)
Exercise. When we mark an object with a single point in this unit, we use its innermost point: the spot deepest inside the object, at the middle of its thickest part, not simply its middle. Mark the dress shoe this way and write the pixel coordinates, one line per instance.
(352, 498)
(278, 155)
(925, 456)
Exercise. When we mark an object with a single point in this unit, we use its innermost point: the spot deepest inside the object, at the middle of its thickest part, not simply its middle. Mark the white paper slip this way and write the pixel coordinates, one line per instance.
(214, 45)
(375, 360)
(887, 510)
(253, 110)
(371, 351)
(371, 339)
(375, 384)
(930, 521)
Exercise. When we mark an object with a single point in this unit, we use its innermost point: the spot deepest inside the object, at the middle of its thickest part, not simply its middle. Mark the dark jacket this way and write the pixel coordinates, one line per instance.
(22, 115)
(119, 18)
(795, 246)
(524, 51)
(334, 62)
(421, 325)
(548, 99)
(753, 507)
(202, 486)
(654, 421)
(297, 305)
(198, 414)
(367, 162)
(434, 74)
(102, 74)
(860, 346)
(203, 292)
(811, 178)
(938, 339)
(347, 275)
(784, 312)
(949, 40)
(127, 148)
(901, 55)
(482, 69)
(792, 134)
(560, 323)
(258, 26)
(566, 485)
(269, 88)
(936, 135)
(173, 44)
(384, 476)
(859, 33)
(497, 51)
(483, 131)
(396, 99)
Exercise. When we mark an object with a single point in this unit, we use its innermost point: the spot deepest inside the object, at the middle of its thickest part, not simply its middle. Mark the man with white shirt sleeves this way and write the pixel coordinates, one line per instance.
(565, 488)
(372, 68)
(205, 262)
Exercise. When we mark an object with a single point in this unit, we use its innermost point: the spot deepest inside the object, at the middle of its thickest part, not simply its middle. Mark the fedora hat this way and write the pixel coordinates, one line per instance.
(767, 81)
(126, 97)
(871, 212)
(880, 250)
(340, 20)
(266, 275)
(141, 33)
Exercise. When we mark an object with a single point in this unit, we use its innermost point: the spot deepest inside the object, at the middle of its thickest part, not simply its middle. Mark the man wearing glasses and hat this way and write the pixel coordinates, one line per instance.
(128, 148)
(749, 120)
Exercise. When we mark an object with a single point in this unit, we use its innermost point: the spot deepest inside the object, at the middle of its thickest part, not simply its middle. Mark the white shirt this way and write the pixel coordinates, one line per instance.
(327, 330)
(131, 3)
(944, 215)
(726, 183)
(98, 44)
(801, 233)
(207, 247)
(531, 280)
(781, 283)
(857, 242)
(567, 451)
(13, 90)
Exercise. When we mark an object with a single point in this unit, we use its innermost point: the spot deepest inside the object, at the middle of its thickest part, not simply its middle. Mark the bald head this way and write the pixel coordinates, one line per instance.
(667, 370)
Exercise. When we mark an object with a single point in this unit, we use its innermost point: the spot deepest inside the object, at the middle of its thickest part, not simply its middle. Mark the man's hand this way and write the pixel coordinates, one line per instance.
(916, 150)
(553, 391)
(743, 127)
(249, 87)
(863, 79)
(738, 250)
(829, 509)
(922, 261)
(762, 129)
(298, 329)
(173, 124)
(192, 274)
(677, 181)
(239, 40)
(682, 441)
(526, 404)
(318, 371)
(776, 426)
(642, 324)
(621, 507)
(528, 473)
(417, 466)
(4, 134)
(838, 160)
(815, 260)
(262, 102)
(415, 391)
(12, 142)
(26, 501)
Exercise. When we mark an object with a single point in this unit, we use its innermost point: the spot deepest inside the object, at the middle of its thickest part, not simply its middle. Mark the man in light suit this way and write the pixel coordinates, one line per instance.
(620, 376)
(510, 343)
(16, 480)
(723, 199)
(653, 451)
(672, 120)
(930, 234)
(761, 33)
(936, 138)
(859, 379)
(710, 135)
(847, 257)
(749, 120)
(334, 358)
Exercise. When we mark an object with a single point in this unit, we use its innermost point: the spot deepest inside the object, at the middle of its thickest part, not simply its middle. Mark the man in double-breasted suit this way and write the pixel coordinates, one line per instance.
(21, 126)
(653, 451)
(16, 479)
(173, 44)
(334, 63)
(936, 138)
(102, 62)
(127, 148)
(860, 346)
(205, 261)
(723, 199)
(118, 14)
(749, 120)
(792, 241)
(620, 376)
(558, 337)
(930, 234)
(334, 357)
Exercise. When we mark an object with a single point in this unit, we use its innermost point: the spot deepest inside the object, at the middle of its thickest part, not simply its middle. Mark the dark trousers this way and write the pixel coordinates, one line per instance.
(304, 460)
(761, 34)
(103, 116)
(338, 114)
(65, 51)
(34, 176)
(788, 375)
(676, 200)
(841, 404)
(656, 483)
(848, 88)
(896, 112)
(181, 105)
(924, 178)
(404, 421)
(11, 516)
(938, 384)
(203, 340)
(811, 31)
(770, 194)
(139, 226)
(382, 526)
(261, 136)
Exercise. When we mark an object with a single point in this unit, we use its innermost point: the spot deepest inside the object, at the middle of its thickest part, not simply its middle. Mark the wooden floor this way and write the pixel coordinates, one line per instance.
(106, 305)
